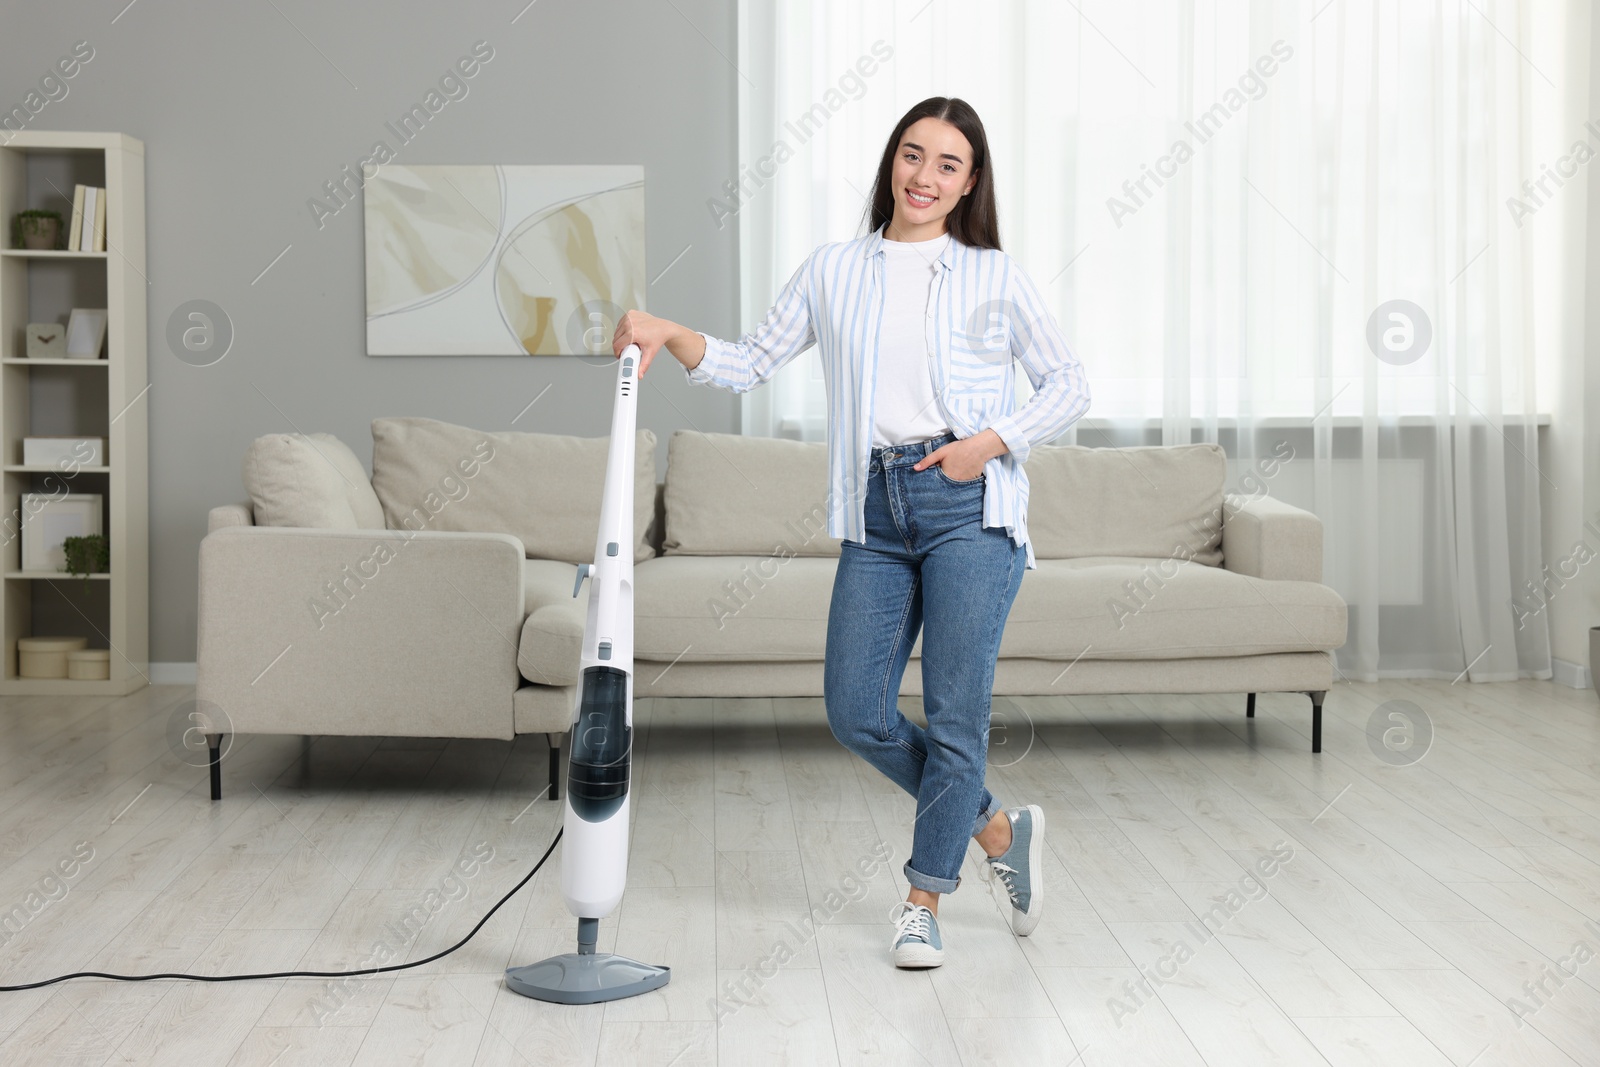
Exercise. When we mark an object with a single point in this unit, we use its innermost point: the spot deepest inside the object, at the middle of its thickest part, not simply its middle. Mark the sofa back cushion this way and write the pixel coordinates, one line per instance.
(541, 488)
(1156, 501)
(311, 480)
(729, 494)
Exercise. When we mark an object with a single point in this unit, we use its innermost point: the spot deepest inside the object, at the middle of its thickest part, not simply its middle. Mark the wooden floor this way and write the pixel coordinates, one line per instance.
(1419, 911)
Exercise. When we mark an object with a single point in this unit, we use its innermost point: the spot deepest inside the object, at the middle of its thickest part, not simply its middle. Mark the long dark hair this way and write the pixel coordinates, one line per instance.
(972, 221)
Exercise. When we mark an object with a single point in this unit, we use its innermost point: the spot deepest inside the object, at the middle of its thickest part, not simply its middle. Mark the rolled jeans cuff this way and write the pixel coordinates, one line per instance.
(986, 816)
(927, 883)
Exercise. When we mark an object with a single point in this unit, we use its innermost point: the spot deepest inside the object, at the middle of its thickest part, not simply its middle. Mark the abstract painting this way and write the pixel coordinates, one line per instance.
(489, 260)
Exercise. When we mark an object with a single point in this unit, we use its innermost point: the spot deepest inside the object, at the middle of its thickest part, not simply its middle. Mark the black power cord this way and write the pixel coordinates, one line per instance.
(297, 974)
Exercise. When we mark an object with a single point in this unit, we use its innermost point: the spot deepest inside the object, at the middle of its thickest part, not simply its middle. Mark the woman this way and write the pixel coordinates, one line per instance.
(918, 326)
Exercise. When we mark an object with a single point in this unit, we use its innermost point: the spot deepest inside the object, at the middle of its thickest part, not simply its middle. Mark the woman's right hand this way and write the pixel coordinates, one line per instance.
(648, 332)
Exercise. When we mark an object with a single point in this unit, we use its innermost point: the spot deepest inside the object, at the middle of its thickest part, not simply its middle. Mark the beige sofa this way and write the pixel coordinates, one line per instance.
(437, 597)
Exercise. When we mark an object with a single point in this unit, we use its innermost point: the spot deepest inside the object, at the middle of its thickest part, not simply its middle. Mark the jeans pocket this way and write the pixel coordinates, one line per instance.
(959, 483)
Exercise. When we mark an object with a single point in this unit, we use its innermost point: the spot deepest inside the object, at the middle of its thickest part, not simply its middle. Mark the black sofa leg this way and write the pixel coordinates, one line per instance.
(555, 766)
(1316, 718)
(1249, 705)
(214, 743)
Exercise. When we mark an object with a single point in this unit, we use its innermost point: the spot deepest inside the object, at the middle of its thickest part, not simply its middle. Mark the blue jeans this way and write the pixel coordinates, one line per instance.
(926, 558)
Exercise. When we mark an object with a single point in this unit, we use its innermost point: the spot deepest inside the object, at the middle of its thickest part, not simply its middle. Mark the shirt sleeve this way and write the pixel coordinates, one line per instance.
(741, 365)
(1061, 389)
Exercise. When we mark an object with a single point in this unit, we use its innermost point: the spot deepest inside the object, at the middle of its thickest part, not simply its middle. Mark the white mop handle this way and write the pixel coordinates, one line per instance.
(614, 545)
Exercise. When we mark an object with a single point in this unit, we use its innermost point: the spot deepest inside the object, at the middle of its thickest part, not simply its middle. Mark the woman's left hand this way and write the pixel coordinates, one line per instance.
(963, 460)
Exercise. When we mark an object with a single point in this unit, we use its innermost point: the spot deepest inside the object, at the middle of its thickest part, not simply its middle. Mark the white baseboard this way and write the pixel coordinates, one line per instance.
(1570, 674)
(172, 674)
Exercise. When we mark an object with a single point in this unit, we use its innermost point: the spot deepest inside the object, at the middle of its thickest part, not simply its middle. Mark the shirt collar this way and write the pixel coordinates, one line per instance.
(874, 246)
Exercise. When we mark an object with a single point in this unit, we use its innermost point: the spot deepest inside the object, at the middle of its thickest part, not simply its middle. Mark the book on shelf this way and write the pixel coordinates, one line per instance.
(86, 231)
(76, 228)
(99, 228)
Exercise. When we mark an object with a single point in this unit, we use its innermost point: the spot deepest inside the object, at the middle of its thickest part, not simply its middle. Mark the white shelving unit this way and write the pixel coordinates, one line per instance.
(70, 397)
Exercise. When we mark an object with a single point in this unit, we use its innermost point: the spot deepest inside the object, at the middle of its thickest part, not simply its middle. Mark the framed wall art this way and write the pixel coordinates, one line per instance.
(487, 260)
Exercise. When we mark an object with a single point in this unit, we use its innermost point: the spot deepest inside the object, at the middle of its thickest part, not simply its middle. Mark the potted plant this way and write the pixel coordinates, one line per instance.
(87, 555)
(35, 229)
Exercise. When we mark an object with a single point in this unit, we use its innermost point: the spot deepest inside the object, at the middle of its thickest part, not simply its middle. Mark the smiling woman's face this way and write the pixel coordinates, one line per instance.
(933, 160)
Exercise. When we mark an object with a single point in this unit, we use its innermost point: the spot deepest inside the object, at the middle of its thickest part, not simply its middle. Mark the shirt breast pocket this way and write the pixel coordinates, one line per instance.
(978, 362)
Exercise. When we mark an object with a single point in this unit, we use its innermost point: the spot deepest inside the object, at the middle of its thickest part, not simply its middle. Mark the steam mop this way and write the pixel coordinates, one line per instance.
(594, 852)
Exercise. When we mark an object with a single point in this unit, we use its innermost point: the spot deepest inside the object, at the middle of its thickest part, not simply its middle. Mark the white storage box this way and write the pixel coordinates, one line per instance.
(63, 453)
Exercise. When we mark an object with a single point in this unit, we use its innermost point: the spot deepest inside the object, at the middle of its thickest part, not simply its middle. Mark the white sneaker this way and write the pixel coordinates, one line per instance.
(916, 936)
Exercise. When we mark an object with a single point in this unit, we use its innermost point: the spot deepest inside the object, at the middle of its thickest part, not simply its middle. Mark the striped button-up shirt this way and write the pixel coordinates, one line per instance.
(984, 317)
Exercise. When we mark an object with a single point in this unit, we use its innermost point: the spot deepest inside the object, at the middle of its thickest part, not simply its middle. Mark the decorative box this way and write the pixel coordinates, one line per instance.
(89, 664)
(46, 657)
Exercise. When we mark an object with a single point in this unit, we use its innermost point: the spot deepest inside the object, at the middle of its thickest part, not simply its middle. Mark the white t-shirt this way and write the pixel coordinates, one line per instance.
(905, 407)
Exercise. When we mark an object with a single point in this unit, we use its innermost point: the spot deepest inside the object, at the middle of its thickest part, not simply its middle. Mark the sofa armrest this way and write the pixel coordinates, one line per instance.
(1266, 538)
(241, 514)
(552, 636)
(360, 632)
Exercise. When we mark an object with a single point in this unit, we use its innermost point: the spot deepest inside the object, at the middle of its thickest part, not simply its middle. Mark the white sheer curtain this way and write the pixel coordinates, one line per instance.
(1337, 156)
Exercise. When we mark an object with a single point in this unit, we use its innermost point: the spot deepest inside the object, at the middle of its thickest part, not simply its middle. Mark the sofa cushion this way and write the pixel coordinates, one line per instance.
(552, 634)
(542, 488)
(1156, 502)
(1123, 607)
(732, 607)
(759, 609)
(729, 494)
(309, 480)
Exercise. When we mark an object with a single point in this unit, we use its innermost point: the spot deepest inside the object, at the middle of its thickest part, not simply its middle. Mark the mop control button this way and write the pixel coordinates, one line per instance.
(611, 548)
(627, 367)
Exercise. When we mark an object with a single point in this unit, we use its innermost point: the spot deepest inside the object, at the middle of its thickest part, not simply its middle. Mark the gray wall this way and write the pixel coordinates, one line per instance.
(244, 117)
